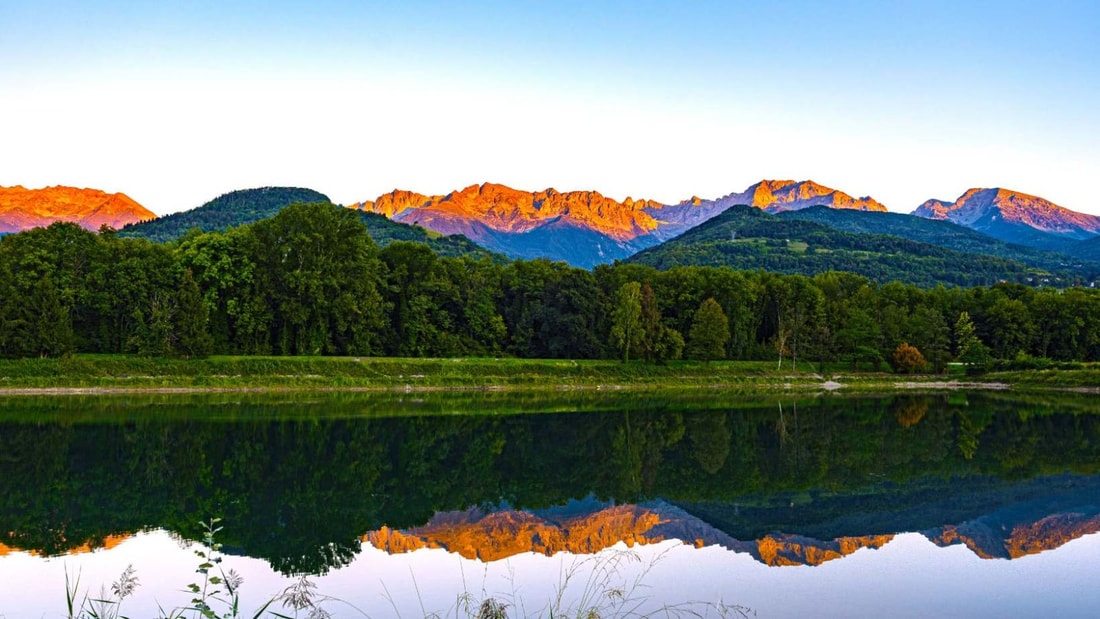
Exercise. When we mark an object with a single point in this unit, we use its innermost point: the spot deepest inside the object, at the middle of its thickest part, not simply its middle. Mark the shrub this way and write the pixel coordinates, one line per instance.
(907, 359)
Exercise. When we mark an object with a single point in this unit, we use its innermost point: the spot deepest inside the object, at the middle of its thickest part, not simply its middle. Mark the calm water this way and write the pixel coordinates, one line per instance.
(941, 505)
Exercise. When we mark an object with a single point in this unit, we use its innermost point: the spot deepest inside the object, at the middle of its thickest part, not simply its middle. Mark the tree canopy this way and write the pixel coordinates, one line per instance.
(311, 280)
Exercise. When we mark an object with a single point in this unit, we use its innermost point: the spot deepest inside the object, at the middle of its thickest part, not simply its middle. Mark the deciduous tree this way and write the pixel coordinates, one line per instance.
(710, 330)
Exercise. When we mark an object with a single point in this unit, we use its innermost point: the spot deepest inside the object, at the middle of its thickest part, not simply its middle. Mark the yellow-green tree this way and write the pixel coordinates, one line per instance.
(627, 331)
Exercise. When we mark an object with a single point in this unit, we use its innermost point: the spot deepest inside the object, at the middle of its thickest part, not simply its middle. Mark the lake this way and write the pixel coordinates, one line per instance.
(694, 503)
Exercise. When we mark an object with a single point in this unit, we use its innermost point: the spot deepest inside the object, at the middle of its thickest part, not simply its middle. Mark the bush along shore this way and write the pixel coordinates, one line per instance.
(114, 373)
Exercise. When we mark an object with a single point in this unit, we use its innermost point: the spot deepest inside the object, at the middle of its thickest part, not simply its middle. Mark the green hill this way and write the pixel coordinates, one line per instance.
(747, 238)
(246, 206)
(1089, 249)
(385, 231)
(949, 235)
(235, 208)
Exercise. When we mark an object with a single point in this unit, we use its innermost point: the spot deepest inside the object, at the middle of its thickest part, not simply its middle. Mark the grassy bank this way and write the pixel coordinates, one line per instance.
(125, 372)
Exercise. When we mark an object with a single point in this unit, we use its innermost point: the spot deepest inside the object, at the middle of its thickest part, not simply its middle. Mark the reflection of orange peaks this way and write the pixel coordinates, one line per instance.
(474, 534)
(108, 542)
(510, 210)
(782, 549)
(498, 535)
(22, 209)
(990, 539)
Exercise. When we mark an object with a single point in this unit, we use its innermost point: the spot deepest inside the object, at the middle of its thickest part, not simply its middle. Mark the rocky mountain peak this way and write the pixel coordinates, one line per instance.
(22, 208)
(997, 211)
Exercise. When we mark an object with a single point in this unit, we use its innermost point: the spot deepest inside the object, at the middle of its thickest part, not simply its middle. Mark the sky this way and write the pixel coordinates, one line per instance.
(175, 103)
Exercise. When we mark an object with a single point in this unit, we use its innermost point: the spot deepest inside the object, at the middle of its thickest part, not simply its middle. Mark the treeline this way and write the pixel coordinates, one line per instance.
(311, 281)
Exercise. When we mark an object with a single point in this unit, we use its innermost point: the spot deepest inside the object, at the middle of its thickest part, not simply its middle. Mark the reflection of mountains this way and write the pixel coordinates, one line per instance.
(1007, 535)
(1067, 510)
(590, 526)
(88, 546)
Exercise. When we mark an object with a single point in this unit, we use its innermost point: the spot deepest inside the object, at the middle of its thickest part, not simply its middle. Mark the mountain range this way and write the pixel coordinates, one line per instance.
(585, 228)
(990, 234)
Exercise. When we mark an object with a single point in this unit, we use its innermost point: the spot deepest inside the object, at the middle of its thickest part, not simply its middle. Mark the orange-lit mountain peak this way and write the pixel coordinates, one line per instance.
(788, 195)
(991, 209)
(504, 209)
(22, 209)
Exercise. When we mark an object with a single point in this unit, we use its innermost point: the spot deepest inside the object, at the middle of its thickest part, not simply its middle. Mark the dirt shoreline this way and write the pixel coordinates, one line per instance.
(954, 385)
(829, 386)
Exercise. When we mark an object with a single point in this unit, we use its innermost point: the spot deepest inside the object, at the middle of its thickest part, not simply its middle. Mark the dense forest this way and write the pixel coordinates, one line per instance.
(311, 280)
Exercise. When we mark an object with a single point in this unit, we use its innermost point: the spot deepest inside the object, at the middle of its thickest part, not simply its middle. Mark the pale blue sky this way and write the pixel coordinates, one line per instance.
(177, 102)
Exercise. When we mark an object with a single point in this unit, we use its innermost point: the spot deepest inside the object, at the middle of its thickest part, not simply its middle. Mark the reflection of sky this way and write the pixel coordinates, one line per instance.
(910, 576)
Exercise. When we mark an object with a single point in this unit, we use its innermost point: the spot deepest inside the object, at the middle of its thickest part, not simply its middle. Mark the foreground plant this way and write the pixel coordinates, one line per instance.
(106, 606)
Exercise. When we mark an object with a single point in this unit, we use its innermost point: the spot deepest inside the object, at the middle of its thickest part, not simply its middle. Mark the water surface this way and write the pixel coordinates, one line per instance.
(913, 505)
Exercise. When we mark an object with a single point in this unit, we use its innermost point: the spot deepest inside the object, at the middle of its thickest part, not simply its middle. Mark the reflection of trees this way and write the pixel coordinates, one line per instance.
(968, 433)
(909, 410)
(300, 493)
(710, 439)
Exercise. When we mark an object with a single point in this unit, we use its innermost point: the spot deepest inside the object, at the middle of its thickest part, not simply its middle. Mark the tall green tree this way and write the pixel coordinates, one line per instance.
(710, 330)
(965, 334)
(857, 339)
(627, 331)
(932, 336)
(322, 275)
(651, 323)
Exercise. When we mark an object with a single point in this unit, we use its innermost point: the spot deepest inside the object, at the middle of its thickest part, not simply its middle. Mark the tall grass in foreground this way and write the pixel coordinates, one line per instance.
(595, 587)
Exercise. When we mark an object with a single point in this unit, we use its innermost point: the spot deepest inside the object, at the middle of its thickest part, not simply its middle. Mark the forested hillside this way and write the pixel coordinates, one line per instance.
(746, 238)
(951, 236)
(312, 281)
(235, 208)
(385, 231)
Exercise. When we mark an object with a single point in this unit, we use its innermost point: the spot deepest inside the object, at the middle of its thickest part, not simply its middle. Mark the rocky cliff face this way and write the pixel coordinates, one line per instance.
(1013, 216)
(22, 209)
